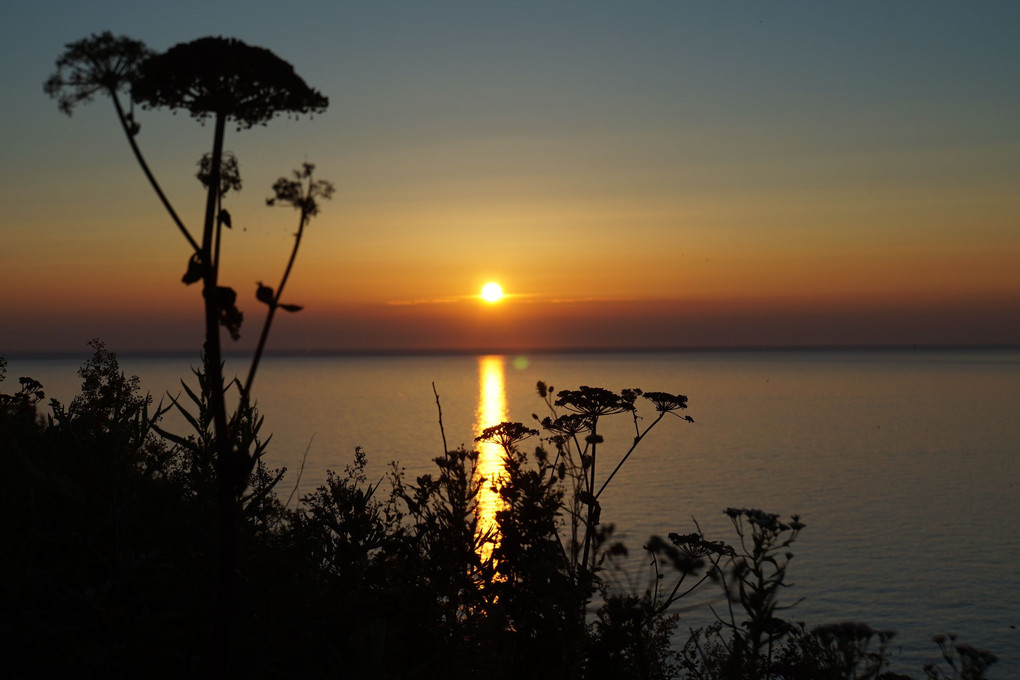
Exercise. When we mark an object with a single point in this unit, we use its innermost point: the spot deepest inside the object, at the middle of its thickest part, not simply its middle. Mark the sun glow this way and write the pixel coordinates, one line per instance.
(492, 292)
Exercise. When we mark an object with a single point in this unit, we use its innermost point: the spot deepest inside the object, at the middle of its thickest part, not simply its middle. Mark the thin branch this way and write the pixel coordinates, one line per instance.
(440, 408)
(301, 470)
(673, 596)
(264, 335)
(307, 210)
(637, 440)
(130, 133)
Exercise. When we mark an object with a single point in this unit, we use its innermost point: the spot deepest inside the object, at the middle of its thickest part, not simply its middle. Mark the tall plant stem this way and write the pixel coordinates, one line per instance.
(219, 232)
(274, 304)
(224, 458)
(588, 528)
(148, 174)
(442, 430)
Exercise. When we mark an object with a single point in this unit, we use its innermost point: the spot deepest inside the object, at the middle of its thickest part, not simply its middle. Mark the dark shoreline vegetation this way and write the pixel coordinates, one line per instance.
(113, 558)
(134, 551)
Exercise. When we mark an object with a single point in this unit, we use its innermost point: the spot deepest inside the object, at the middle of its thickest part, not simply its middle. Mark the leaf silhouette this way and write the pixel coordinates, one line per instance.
(224, 219)
(264, 294)
(225, 297)
(230, 316)
(194, 272)
(291, 308)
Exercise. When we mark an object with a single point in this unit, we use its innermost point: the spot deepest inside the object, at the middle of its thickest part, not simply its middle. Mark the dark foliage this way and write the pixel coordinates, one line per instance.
(99, 541)
(111, 559)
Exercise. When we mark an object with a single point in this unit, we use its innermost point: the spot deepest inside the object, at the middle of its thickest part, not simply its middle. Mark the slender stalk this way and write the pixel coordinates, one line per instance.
(590, 481)
(300, 472)
(442, 430)
(219, 232)
(148, 173)
(673, 596)
(224, 458)
(211, 281)
(272, 307)
(637, 440)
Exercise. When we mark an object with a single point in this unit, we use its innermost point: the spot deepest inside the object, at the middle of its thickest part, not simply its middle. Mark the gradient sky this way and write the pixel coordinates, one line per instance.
(651, 174)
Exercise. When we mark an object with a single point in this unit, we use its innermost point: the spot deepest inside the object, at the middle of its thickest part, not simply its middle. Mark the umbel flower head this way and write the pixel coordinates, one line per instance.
(224, 77)
(668, 403)
(593, 402)
(568, 424)
(293, 192)
(230, 173)
(506, 434)
(101, 63)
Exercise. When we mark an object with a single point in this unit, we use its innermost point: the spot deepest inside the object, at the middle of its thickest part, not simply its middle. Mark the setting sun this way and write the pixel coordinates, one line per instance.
(492, 292)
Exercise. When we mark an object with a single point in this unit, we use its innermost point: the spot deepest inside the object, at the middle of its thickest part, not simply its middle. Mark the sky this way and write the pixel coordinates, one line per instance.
(633, 174)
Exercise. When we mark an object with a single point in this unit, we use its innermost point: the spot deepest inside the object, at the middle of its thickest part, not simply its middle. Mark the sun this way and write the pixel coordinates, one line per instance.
(492, 292)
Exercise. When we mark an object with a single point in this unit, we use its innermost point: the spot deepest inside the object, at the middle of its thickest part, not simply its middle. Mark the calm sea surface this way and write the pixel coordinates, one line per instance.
(903, 464)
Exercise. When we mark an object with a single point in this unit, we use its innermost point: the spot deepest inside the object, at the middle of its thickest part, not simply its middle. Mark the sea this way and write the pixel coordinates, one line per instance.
(902, 463)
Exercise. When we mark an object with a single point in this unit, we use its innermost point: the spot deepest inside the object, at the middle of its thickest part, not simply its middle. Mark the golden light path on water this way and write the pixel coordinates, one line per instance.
(491, 411)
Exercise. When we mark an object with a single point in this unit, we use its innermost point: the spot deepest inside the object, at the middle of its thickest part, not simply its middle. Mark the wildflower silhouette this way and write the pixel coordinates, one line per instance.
(104, 64)
(507, 435)
(586, 406)
(965, 661)
(304, 193)
(225, 80)
(595, 402)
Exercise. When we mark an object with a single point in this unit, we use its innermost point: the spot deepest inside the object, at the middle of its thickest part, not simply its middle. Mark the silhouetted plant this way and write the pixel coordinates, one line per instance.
(964, 661)
(104, 64)
(97, 537)
(218, 78)
(631, 638)
(688, 555)
(835, 651)
(343, 521)
(113, 417)
(22, 403)
(254, 483)
(443, 510)
(226, 80)
(744, 643)
(223, 79)
(303, 193)
(750, 642)
(539, 603)
(585, 407)
(536, 563)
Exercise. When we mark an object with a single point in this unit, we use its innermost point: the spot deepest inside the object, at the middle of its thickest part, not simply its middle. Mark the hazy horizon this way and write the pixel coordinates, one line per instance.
(368, 353)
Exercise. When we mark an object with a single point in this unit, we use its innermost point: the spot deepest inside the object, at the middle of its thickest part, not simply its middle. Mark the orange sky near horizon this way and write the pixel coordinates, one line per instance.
(824, 181)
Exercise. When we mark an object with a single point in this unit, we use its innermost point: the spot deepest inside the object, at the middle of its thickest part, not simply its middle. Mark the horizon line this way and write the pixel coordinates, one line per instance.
(507, 351)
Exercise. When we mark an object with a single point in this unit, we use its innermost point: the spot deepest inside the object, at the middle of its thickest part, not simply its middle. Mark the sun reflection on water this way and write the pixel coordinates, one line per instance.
(491, 411)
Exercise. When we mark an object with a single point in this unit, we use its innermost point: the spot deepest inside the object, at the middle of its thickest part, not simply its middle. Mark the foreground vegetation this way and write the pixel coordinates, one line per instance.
(112, 558)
